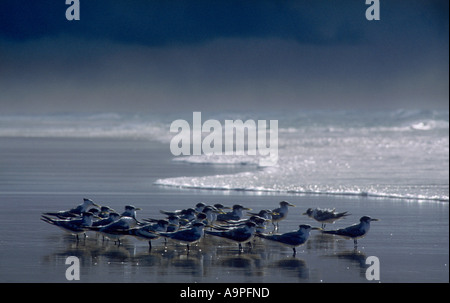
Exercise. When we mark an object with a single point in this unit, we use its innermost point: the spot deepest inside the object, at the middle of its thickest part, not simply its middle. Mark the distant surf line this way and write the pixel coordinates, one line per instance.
(362, 194)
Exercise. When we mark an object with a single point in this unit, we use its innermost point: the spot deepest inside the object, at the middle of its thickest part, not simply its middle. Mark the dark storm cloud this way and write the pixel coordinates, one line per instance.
(198, 55)
(165, 22)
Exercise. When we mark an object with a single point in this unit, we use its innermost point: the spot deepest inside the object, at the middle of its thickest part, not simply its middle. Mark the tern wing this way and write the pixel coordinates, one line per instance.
(291, 238)
(182, 235)
(352, 231)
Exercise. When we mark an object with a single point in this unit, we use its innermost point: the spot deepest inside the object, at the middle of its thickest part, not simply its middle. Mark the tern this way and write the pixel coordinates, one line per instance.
(116, 230)
(220, 207)
(186, 215)
(291, 239)
(238, 234)
(130, 211)
(236, 214)
(280, 213)
(264, 213)
(325, 215)
(105, 211)
(199, 207)
(174, 222)
(188, 236)
(73, 226)
(354, 231)
(149, 232)
(211, 213)
(112, 217)
(259, 221)
(74, 212)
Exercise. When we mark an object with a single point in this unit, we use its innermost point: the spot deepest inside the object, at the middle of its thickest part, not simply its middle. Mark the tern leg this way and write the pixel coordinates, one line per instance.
(149, 245)
(355, 242)
(295, 251)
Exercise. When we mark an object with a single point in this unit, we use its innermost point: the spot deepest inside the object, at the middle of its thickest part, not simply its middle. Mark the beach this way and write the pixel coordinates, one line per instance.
(161, 105)
(411, 240)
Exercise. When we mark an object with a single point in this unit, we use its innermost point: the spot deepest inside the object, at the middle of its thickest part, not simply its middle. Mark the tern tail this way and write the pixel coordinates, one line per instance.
(48, 220)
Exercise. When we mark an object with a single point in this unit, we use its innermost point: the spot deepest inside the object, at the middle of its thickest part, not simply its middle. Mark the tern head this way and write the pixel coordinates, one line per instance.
(258, 219)
(130, 211)
(200, 206)
(221, 206)
(89, 202)
(113, 215)
(308, 212)
(367, 219)
(189, 212)
(285, 203)
(105, 208)
(307, 227)
(240, 207)
(208, 209)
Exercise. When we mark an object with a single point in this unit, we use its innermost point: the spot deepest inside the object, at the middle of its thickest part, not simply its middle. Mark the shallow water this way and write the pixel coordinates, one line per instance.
(39, 175)
(326, 152)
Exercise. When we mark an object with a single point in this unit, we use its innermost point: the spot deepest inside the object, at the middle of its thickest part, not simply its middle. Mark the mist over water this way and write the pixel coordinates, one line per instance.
(399, 154)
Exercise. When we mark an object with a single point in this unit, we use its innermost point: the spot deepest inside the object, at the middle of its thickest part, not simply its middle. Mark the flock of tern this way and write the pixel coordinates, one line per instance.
(191, 225)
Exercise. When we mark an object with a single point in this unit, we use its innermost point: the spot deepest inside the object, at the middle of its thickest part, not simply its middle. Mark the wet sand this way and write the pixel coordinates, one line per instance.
(411, 240)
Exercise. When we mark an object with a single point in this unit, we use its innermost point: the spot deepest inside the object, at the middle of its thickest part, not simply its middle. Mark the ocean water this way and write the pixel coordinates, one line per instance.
(400, 154)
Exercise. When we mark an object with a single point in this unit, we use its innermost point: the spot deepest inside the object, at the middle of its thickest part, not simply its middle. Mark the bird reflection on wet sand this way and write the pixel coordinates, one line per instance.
(205, 261)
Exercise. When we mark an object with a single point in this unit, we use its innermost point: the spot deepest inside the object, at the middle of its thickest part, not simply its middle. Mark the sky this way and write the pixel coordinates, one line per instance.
(163, 56)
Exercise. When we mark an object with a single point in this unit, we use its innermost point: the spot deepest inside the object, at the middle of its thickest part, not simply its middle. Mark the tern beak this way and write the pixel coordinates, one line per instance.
(374, 219)
(246, 208)
(316, 228)
(137, 208)
(291, 205)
